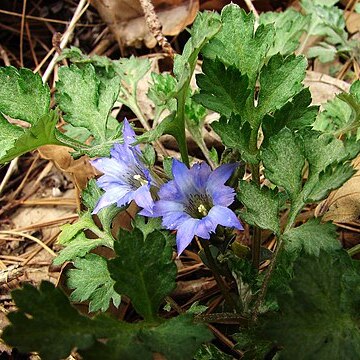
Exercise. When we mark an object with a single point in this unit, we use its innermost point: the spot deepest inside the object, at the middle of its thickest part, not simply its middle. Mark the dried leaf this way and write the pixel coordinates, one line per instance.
(80, 170)
(343, 204)
(126, 18)
(324, 87)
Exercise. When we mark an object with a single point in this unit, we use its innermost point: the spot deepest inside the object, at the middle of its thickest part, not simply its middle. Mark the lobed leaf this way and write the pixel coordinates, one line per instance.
(312, 237)
(283, 161)
(87, 99)
(146, 263)
(46, 323)
(20, 141)
(318, 319)
(91, 281)
(262, 206)
(289, 26)
(238, 44)
(23, 95)
(223, 90)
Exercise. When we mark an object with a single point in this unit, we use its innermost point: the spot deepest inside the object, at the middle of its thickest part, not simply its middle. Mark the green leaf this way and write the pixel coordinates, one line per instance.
(262, 206)
(189, 337)
(312, 237)
(238, 44)
(211, 352)
(319, 318)
(162, 92)
(283, 161)
(235, 134)
(280, 80)
(46, 323)
(131, 71)
(337, 118)
(72, 236)
(8, 135)
(76, 56)
(204, 28)
(326, 20)
(223, 90)
(69, 231)
(324, 52)
(330, 179)
(20, 141)
(90, 197)
(295, 115)
(148, 155)
(196, 308)
(79, 246)
(23, 95)
(144, 270)
(146, 226)
(91, 281)
(289, 26)
(87, 99)
(177, 338)
(226, 91)
(320, 150)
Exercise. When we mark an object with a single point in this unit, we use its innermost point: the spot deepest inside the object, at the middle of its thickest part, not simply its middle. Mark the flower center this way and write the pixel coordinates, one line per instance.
(198, 205)
(140, 179)
(202, 210)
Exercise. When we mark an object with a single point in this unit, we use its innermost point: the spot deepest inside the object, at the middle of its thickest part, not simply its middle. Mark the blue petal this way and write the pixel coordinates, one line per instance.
(185, 234)
(173, 221)
(128, 133)
(111, 196)
(205, 227)
(220, 175)
(222, 195)
(125, 154)
(106, 182)
(221, 215)
(110, 166)
(170, 191)
(163, 207)
(200, 173)
(183, 178)
(142, 197)
(129, 136)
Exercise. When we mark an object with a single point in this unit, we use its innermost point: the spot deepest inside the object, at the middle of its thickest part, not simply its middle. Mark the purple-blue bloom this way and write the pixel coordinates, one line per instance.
(125, 177)
(196, 201)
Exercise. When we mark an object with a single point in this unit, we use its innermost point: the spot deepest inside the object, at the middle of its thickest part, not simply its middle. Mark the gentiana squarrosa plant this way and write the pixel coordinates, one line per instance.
(299, 300)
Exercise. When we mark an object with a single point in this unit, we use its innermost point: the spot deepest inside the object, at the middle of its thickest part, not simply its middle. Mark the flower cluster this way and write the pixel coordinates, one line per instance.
(125, 177)
(194, 202)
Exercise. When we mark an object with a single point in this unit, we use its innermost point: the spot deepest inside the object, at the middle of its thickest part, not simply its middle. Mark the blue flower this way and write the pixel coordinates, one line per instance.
(125, 177)
(196, 201)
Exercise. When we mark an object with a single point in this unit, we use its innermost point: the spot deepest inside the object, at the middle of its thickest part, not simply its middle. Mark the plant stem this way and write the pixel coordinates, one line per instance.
(265, 284)
(180, 119)
(255, 175)
(222, 318)
(215, 270)
(256, 244)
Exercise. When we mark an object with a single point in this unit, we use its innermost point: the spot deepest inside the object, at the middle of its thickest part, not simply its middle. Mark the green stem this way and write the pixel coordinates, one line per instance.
(255, 174)
(266, 282)
(180, 119)
(222, 318)
(215, 270)
(354, 250)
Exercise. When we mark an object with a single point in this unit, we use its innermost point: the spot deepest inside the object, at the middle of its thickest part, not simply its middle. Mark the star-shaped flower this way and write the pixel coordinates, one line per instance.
(125, 177)
(196, 201)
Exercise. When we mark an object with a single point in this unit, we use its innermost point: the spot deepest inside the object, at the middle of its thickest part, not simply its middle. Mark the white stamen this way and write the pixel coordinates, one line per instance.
(202, 210)
(139, 178)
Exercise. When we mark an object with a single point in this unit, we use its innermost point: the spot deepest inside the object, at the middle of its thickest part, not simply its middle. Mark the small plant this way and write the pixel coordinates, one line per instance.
(302, 306)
